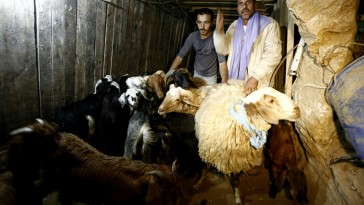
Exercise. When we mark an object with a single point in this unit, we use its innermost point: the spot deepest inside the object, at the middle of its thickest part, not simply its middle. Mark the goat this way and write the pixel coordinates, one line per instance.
(142, 142)
(79, 117)
(28, 155)
(184, 147)
(155, 84)
(112, 125)
(8, 194)
(83, 174)
(183, 78)
(282, 163)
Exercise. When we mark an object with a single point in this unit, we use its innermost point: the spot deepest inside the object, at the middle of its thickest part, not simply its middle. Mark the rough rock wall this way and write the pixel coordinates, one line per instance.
(328, 28)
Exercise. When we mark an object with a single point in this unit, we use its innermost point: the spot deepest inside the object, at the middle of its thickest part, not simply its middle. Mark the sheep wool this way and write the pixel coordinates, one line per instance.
(223, 141)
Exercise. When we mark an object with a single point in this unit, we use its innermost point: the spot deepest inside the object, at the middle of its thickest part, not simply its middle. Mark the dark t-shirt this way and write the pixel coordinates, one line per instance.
(206, 57)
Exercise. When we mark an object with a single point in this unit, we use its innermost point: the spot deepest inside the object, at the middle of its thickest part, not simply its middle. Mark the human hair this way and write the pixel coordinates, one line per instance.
(205, 11)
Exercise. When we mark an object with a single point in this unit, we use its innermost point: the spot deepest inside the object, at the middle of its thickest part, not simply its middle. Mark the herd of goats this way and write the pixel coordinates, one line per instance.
(137, 139)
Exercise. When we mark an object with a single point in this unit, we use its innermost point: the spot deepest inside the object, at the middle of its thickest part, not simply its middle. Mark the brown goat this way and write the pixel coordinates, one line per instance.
(7, 191)
(282, 163)
(155, 84)
(86, 175)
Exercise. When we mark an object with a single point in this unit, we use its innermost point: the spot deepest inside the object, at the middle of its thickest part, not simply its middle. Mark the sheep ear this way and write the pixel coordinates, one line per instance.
(186, 93)
(264, 108)
(171, 86)
(188, 101)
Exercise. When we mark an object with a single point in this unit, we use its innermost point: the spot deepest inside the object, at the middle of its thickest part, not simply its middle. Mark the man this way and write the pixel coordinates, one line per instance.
(252, 43)
(206, 59)
(254, 48)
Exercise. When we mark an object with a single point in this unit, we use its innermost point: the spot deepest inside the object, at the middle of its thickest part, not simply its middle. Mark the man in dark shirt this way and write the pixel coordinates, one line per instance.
(206, 60)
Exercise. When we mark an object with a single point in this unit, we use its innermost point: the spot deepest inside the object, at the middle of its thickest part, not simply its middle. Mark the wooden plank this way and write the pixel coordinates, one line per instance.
(45, 63)
(19, 80)
(85, 55)
(101, 9)
(109, 31)
(145, 25)
(131, 36)
(118, 67)
(151, 38)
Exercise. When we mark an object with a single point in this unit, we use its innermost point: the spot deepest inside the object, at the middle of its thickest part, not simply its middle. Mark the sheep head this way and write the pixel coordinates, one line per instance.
(178, 100)
(271, 105)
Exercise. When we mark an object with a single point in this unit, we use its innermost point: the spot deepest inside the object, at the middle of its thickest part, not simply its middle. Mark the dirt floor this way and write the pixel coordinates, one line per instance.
(216, 190)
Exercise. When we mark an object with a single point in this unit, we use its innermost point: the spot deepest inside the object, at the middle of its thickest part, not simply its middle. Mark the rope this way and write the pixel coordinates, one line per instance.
(257, 137)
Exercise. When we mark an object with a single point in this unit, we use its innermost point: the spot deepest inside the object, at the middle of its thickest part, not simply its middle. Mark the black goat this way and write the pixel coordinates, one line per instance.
(79, 117)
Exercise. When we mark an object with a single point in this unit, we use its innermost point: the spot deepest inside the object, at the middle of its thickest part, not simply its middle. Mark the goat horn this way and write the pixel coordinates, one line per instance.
(21, 130)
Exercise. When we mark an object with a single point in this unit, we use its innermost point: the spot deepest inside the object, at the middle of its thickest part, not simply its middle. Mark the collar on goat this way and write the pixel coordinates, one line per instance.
(257, 137)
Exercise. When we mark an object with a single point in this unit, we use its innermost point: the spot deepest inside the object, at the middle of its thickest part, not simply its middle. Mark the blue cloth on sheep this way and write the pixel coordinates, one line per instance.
(257, 137)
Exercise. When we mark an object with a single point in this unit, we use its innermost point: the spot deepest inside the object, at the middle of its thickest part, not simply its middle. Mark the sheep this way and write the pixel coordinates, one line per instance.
(182, 101)
(231, 126)
(187, 101)
(282, 162)
(222, 136)
(83, 174)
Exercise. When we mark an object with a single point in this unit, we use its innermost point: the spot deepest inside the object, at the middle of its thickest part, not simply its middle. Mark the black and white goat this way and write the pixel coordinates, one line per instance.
(79, 117)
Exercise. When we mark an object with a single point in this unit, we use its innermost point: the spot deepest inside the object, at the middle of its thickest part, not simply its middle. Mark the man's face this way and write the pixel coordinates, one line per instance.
(204, 24)
(246, 9)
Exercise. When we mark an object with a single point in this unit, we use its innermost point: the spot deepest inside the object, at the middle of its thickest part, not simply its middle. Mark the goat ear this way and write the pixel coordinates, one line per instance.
(280, 179)
(264, 108)
(122, 100)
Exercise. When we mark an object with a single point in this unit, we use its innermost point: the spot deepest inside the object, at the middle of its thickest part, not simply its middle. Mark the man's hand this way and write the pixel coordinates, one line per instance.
(219, 22)
(251, 86)
(169, 73)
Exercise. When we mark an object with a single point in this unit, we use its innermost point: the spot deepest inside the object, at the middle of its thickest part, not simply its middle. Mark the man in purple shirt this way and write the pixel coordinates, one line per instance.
(206, 60)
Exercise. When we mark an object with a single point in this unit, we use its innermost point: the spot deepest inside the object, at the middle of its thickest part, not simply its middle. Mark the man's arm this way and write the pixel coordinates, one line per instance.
(177, 61)
(223, 72)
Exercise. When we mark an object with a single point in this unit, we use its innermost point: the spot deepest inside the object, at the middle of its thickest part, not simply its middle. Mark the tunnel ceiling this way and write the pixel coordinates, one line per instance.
(229, 7)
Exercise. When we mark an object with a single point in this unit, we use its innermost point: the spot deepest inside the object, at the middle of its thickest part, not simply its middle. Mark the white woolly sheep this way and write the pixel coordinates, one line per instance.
(226, 139)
